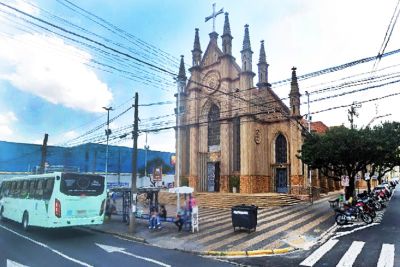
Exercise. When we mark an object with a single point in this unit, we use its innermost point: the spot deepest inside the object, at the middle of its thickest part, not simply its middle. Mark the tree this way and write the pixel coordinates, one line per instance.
(153, 163)
(342, 151)
(387, 149)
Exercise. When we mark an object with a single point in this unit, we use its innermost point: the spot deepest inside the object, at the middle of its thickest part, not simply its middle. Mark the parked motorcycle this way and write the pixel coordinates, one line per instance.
(352, 213)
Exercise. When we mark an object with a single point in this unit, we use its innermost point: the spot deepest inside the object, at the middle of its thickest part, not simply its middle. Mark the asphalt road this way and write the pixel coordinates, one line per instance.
(81, 247)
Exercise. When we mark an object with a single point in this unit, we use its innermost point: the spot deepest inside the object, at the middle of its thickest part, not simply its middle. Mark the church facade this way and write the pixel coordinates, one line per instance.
(231, 130)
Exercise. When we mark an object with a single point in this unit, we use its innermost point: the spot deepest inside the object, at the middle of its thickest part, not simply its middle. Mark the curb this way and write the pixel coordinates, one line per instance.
(249, 253)
(126, 236)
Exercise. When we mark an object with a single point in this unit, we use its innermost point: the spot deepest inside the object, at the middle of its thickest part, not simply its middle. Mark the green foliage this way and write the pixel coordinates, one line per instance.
(343, 151)
(234, 181)
(184, 181)
(156, 162)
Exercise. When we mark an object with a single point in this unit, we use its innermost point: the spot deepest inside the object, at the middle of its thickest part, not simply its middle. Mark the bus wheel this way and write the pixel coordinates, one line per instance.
(1, 214)
(25, 221)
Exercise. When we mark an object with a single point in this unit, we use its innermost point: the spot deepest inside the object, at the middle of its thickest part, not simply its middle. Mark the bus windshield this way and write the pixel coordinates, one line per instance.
(73, 184)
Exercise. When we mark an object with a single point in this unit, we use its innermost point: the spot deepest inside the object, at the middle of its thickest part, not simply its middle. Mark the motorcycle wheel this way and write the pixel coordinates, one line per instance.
(372, 213)
(366, 218)
(378, 206)
(340, 219)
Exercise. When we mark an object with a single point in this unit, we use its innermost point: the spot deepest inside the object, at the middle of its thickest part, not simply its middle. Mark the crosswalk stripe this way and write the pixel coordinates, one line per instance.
(351, 254)
(386, 258)
(316, 255)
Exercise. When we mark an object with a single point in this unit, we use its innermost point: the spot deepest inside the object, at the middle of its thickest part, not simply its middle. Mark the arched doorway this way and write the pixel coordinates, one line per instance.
(281, 171)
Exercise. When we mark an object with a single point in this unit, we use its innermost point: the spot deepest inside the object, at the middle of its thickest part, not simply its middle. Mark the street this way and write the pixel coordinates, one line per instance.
(362, 245)
(81, 247)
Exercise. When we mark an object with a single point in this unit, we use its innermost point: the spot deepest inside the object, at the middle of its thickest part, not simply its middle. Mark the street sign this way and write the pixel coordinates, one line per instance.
(344, 180)
(157, 174)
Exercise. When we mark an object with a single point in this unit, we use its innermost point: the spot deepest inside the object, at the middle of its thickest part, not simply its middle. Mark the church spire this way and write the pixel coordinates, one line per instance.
(246, 40)
(263, 58)
(262, 68)
(294, 95)
(227, 37)
(227, 27)
(181, 79)
(246, 75)
(196, 52)
(247, 54)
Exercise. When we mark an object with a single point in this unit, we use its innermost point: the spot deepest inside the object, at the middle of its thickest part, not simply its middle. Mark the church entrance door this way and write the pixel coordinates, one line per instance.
(281, 180)
(213, 173)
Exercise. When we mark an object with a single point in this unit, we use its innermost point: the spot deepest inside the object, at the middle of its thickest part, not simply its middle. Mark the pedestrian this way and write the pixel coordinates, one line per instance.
(108, 209)
(154, 219)
(163, 212)
(179, 219)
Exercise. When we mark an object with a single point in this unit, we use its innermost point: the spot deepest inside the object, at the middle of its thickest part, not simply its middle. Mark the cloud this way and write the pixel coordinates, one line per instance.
(25, 6)
(47, 67)
(6, 119)
(70, 135)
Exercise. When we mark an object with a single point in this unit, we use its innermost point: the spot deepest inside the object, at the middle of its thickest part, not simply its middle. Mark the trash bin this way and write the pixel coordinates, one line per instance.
(244, 217)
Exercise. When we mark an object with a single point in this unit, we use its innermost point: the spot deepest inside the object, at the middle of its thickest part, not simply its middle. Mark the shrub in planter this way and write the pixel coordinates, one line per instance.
(234, 181)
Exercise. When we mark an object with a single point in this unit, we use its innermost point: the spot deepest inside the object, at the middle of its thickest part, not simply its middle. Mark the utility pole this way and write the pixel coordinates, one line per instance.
(44, 154)
(146, 147)
(135, 134)
(352, 112)
(309, 130)
(108, 132)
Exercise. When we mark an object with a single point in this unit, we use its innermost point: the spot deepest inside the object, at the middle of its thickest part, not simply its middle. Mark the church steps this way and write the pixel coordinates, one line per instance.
(227, 200)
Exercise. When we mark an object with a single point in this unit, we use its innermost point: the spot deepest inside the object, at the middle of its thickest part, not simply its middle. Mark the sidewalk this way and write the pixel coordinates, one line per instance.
(279, 230)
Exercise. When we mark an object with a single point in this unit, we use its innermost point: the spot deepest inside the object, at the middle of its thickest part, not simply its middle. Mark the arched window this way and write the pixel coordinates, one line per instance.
(236, 144)
(213, 126)
(280, 149)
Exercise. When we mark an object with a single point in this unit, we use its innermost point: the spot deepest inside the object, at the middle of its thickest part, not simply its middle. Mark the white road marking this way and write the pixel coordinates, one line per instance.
(11, 263)
(386, 258)
(351, 254)
(317, 255)
(46, 246)
(111, 249)
(354, 230)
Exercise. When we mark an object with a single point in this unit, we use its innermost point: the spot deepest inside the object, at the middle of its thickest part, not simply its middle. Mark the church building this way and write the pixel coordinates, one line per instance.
(230, 129)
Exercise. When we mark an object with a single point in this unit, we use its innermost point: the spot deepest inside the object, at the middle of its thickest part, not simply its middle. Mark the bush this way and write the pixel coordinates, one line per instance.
(234, 181)
(184, 181)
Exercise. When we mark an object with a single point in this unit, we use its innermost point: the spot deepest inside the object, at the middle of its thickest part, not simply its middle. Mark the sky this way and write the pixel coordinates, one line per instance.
(61, 61)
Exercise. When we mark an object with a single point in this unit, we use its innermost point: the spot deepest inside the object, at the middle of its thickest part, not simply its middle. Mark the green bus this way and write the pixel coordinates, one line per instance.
(54, 200)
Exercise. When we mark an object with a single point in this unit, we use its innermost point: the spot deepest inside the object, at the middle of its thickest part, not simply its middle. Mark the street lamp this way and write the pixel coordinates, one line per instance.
(146, 147)
(309, 130)
(108, 132)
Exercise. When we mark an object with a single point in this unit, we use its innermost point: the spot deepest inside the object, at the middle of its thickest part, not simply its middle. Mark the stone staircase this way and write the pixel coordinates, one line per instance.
(227, 200)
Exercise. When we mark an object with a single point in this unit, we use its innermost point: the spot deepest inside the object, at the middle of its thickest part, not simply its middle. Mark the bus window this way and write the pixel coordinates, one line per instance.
(32, 188)
(24, 190)
(13, 188)
(81, 185)
(7, 188)
(39, 189)
(48, 189)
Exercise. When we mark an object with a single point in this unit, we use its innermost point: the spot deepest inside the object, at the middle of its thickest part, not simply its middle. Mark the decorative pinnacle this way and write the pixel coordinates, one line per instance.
(227, 27)
(263, 58)
(196, 45)
(246, 40)
(294, 76)
(182, 72)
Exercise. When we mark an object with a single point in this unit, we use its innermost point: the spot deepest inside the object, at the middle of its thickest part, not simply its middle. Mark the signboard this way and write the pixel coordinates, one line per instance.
(366, 176)
(344, 180)
(157, 174)
(195, 219)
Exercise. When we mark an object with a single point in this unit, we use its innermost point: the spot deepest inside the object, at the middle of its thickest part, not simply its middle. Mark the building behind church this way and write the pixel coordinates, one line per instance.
(231, 129)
